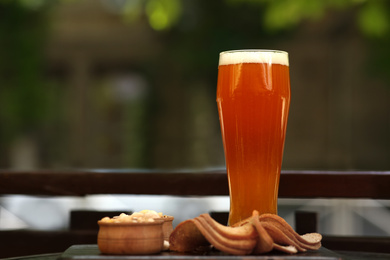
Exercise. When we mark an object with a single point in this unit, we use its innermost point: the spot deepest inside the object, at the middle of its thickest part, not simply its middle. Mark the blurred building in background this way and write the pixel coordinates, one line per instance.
(132, 84)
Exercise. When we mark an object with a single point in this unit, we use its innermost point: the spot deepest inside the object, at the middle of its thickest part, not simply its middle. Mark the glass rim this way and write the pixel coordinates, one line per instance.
(254, 50)
(253, 56)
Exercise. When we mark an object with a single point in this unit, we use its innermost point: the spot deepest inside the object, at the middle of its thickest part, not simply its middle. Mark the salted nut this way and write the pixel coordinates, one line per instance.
(255, 235)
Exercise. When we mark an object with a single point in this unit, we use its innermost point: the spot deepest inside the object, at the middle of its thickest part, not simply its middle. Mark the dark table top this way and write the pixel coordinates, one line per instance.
(91, 252)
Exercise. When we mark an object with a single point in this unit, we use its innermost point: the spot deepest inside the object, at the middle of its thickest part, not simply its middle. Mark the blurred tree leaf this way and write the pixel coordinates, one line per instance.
(373, 18)
(285, 14)
(163, 14)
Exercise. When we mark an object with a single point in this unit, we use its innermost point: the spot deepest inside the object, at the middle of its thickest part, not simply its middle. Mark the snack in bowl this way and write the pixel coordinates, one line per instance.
(139, 233)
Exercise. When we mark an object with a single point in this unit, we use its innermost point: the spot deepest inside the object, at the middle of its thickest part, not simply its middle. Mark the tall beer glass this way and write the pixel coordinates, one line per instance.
(253, 97)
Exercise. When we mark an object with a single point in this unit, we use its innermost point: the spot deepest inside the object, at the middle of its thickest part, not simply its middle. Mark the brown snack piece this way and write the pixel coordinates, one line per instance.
(312, 237)
(285, 249)
(310, 242)
(281, 238)
(236, 241)
(186, 237)
(254, 235)
(265, 243)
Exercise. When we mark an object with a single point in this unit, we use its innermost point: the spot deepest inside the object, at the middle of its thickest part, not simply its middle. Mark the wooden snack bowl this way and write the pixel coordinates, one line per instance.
(167, 226)
(128, 238)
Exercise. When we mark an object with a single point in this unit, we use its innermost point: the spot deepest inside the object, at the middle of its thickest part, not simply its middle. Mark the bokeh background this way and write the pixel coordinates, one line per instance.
(132, 84)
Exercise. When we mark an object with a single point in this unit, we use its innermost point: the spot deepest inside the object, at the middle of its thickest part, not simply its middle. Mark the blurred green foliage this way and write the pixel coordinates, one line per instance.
(23, 31)
(23, 97)
(26, 96)
(372, 19)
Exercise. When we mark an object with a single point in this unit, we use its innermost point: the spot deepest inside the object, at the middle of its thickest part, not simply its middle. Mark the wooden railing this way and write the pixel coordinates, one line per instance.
(293, 184)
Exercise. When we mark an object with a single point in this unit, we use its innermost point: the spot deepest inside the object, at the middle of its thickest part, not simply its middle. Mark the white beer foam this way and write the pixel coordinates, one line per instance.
(253, 56)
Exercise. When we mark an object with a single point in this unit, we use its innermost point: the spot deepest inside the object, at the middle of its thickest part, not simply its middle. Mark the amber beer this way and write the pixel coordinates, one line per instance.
(253, 97)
